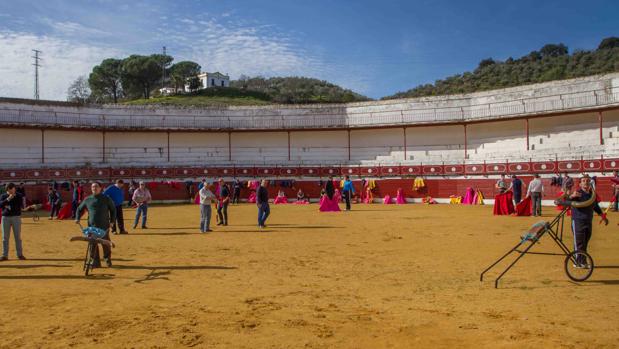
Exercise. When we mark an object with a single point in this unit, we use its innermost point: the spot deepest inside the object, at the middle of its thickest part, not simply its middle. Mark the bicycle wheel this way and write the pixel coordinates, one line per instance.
(89, 260)
(579, 266)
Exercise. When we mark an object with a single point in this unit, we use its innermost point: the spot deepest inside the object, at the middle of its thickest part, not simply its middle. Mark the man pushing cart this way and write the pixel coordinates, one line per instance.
(578, 263)
(101, 213)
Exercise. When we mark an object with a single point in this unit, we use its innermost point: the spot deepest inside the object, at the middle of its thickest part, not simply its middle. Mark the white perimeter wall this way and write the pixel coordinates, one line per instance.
(319, 147)
(565, 137)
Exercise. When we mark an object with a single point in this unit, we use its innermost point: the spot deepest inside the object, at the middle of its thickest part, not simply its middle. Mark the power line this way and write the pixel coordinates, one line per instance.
(36, 72)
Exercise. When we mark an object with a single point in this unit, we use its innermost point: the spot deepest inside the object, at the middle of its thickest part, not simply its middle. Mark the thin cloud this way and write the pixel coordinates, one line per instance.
(227, 44)
(62, 62)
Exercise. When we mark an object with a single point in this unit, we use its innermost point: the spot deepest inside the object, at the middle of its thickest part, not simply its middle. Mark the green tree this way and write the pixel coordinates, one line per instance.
(608, 43)
(194, 83)
(553, 50)
(140, 75)
(182, 71)
(105, 80)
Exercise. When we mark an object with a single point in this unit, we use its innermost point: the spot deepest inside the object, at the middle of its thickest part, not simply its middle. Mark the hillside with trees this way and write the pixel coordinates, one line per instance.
(137, 79)
(298, 90)
(551, 62)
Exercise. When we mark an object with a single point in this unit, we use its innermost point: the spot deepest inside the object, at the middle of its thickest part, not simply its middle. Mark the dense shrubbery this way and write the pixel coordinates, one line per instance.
(551, 62)
(298, 90)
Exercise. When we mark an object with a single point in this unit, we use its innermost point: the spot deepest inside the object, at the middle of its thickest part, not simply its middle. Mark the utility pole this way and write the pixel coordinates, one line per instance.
(163, 71)
(36, 72)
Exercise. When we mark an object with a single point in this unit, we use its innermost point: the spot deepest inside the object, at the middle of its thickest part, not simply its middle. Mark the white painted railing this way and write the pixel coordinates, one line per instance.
(305, 118)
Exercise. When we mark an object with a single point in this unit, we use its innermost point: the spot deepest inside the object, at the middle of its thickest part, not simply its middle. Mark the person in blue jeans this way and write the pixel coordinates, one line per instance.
(116, 192)
(11, 204)
(262, 201)
(141, 197)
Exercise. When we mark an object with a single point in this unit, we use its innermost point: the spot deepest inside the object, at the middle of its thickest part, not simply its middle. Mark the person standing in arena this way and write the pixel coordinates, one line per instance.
(536, 190)
(262, 201)
(117, 194)
(141, 197)
(54, 200)
(330, 188)
(76, 197)
(11, 205)
(101, 212)
(206, 198)
(224, 200)
(582, 218)
(501, 185)
(131, 191)
(567, 184)
(236, 191)
(348, 191)
(516, 187)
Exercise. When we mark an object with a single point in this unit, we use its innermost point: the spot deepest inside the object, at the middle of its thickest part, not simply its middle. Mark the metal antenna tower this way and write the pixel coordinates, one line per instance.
(36, 72)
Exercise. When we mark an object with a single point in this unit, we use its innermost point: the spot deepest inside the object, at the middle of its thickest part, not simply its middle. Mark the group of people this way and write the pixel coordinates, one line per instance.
(104, 210)
(220, 196)
(582, 217)
(535, 190)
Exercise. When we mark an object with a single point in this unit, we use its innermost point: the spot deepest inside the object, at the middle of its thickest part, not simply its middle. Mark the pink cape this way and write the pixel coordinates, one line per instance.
(469, 197)
(328, 205)
(197, 199)
(400, 199)
(387, 200)
(280, 200)
(252, 197)
(302, 202)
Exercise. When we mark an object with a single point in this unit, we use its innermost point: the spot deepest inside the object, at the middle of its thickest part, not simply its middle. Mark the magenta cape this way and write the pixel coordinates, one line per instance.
(328, 205)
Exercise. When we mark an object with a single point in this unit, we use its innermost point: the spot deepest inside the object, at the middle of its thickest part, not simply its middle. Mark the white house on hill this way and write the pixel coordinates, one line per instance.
(207, 80)
(214, 79)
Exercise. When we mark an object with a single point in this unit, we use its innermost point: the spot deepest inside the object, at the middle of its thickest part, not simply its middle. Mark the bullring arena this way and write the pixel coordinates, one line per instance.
(393, 276)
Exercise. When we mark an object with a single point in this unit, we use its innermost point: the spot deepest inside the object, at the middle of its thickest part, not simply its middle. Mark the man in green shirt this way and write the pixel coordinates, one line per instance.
(101, 212)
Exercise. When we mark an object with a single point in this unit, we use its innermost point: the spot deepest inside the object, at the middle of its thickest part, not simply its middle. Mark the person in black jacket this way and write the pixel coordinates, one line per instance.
(262, 201)
(237, 191)
(330, 188)
(54, 200)
(223, 202)
(582, 218)
(11, 204)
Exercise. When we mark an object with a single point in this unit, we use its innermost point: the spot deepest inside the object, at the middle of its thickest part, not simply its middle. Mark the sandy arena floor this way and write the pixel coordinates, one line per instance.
(376, 277)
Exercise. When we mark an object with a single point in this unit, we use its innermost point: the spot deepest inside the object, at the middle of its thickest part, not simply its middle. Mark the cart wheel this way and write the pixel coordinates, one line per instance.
(579, 266)
(89, 260)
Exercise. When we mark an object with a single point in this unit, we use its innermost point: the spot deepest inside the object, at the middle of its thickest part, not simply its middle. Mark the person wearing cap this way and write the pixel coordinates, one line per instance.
(117, 194)
(224, 200)
(141, 198)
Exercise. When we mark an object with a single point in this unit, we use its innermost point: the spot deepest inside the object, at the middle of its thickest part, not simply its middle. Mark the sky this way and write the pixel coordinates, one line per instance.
(375, 48)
